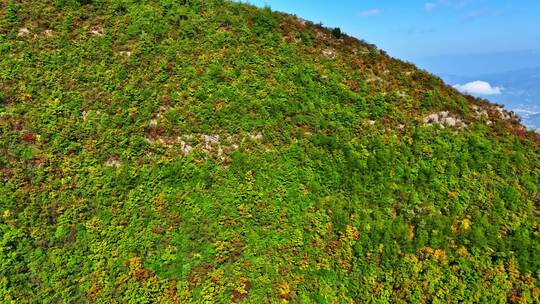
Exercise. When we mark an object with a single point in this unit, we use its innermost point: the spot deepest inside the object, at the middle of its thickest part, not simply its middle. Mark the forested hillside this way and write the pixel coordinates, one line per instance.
(214, 152)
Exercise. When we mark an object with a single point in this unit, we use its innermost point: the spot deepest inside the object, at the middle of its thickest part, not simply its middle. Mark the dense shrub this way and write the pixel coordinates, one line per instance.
(336, 32)
(11, 13)
(212, 152)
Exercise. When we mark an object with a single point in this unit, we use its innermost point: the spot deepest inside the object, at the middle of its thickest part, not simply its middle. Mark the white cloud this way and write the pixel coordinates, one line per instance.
(429, 6)
(478, 88)
(371, 12)
(480, 13)
(433, 4)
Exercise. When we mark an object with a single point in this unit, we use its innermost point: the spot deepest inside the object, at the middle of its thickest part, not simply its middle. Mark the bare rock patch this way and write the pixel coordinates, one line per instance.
(113, 161)
(23, 32)
(444, 119)
(96, 31)
(329, 53)
(215, 145)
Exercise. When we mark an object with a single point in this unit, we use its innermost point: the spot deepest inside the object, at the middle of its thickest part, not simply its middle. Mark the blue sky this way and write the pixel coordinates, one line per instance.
(424, 30)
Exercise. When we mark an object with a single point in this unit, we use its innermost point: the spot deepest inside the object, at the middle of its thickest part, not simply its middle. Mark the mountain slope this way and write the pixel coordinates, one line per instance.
(209, 151)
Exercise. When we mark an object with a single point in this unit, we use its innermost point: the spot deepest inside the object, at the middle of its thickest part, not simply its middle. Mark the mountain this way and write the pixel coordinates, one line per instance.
(213, 152)
(520, 92)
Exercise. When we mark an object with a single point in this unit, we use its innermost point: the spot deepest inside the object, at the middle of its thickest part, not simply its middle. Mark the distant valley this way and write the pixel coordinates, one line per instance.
(519, 91)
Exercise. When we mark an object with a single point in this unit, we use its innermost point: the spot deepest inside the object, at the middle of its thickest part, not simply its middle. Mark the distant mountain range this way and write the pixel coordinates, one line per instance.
(480, 63)
(520, 91)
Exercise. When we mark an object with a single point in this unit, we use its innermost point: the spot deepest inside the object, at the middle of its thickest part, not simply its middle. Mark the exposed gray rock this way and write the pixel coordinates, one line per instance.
(185, 147)
(431, 118)
(443, 119)
(503, 113)
(113, 162)
(96, 31)
(211, 144)
(320, 35)
(329, 53)
(22, 32)
(255, 135)
(210, 139)
(449, 121)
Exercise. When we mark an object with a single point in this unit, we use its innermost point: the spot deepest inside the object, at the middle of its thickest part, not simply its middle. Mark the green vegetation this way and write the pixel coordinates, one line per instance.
(212, 152)
(337, 32)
